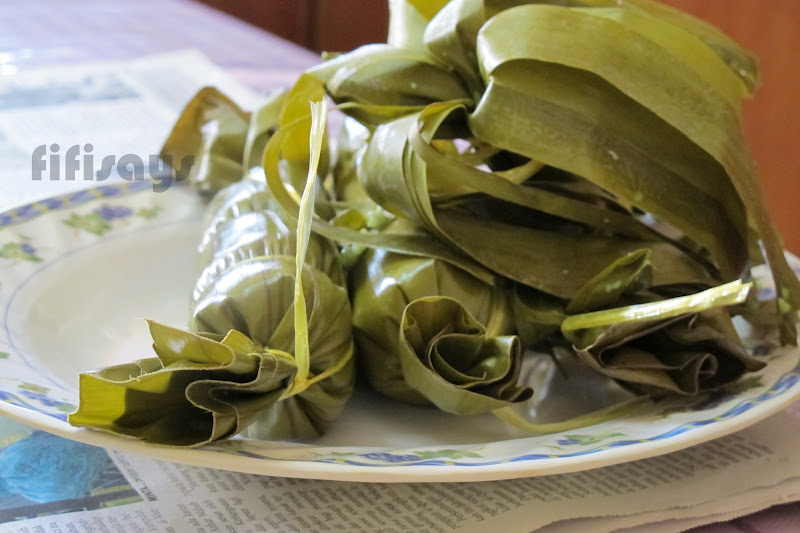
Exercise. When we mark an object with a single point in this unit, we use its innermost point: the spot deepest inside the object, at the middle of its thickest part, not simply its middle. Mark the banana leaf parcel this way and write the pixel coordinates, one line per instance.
(511, 174)
(249, 364)
(428, 332)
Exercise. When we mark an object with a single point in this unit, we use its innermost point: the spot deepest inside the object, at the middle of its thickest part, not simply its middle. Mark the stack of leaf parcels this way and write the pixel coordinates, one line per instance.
(510, 175)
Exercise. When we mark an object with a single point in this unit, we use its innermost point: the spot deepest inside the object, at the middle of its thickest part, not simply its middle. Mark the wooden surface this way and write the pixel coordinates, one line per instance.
(771, 29)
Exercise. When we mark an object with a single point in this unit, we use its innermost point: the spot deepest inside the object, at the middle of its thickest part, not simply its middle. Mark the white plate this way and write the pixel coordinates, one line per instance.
(80, 271)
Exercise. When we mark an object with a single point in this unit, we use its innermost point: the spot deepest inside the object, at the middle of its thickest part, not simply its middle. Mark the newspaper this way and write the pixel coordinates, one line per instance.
(120, 492)
(90, 113)
(52, 485)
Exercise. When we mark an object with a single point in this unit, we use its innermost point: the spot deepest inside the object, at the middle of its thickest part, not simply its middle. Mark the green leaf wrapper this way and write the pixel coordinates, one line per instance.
(538, 316)
(580, 162)
(428, 332)
(637, 98)
(244, 222)
(197, 390)
(685, 345)
(696, 117)
(399, 162)
(256, 298)
(210, 133)
(216, 141)
(269, 354)
(447, 356)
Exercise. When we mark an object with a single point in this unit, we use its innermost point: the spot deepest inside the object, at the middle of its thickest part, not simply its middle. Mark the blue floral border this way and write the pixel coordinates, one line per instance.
(30, 211)
(409, 459)
(26, 213)
(43, 399)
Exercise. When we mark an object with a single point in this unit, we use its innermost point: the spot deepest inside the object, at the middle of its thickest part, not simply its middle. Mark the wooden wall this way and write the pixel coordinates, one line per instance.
(341, 25)
(770, 28)
(320, 25)
(290, 19)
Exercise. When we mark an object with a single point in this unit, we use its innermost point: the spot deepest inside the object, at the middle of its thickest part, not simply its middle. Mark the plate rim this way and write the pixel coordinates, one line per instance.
(403, 473)
(348, 470)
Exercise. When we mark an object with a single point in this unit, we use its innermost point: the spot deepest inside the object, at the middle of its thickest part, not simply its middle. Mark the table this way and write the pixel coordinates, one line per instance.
(45, 32)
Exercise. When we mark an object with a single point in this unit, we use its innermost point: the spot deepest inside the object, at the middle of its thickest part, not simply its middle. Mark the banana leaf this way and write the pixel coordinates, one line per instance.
(447, 356)
(382, 78)
(197, 390)
(395, 171)
(685, 345)
(428, 8)
(219, 143)
(209, 135)
(688, 189)
(379, 82)
(627, 275)
(587, 153)
(295, 126)
(625, 150)
(427, 332)
(450, 38)
(269, 351)
(357, 210)
(350, 146)
(256, 298)
(216, 141)
(406, 26)
(686, 105)
(453, 27)
(264, 121)
(708, 54)
(538, 316)
(244, 222)
(415, 240)
(741, 62)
